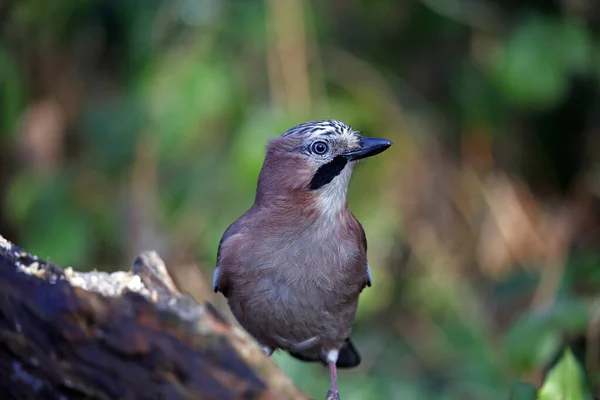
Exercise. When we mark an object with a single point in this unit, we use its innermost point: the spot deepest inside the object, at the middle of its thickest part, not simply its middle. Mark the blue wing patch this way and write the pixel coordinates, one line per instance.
(216, 279)
(369, 280)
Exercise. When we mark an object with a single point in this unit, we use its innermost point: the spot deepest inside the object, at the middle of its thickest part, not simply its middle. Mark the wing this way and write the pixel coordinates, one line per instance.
(364, 242)
(220, 280)
(216, 279)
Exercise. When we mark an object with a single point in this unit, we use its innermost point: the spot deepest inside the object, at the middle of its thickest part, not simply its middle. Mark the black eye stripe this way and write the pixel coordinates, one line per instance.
(327, 172)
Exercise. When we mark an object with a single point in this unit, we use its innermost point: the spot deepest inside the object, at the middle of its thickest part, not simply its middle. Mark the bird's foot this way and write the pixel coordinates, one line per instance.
(331, 395)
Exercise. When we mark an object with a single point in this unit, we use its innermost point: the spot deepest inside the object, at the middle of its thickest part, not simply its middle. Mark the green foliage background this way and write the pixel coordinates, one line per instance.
(129, 124)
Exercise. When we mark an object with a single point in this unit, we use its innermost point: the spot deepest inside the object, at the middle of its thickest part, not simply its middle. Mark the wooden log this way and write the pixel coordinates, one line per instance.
(124, 335)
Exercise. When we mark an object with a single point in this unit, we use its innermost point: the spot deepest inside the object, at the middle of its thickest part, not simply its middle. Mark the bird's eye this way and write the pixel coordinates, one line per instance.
(319, 148)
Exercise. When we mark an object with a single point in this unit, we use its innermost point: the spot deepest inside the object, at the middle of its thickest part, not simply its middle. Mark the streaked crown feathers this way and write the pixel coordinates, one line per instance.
(325, 128)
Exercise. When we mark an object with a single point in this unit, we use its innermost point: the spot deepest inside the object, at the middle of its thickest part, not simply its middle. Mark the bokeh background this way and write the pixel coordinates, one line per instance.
(130, 124)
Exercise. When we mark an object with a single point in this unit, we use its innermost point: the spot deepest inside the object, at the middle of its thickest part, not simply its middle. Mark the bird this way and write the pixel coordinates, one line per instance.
(293, 265)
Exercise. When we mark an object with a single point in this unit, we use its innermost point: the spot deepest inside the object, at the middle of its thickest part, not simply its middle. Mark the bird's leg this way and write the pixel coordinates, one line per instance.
(332, 357)
(268, 350)
(333, 372)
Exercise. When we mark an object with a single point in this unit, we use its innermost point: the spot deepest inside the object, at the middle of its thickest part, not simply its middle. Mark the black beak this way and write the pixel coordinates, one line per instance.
(368, 147)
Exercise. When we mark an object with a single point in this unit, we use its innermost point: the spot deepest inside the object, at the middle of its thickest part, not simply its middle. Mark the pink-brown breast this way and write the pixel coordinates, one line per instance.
(295, 279)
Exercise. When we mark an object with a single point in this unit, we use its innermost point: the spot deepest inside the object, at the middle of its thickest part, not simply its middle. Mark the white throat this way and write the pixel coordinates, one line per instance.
(332, 198)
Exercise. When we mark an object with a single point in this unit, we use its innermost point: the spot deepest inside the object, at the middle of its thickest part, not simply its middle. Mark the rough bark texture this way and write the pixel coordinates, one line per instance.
(125, 335)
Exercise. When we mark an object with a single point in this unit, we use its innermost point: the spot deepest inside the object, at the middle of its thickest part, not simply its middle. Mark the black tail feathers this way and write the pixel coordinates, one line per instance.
(349, 356)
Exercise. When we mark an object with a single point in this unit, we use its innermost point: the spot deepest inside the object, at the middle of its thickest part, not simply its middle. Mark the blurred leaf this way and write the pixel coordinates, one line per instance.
(528, 67)
(582, 269)
(21, 195)
(111, 128)
(249, 146)
(596, 57)
(143, 37)
(43, 207)
(200, 12)
(46, 20)
(565, 381)
(478, 100)
(70, 244)
(534, 64)
(188, 91)
(535, 336)
(523, 391)
(247, 23)
(576, 45)
(11, 92)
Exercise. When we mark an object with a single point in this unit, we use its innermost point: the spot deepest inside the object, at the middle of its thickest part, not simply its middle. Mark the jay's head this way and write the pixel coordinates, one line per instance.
(315, 159)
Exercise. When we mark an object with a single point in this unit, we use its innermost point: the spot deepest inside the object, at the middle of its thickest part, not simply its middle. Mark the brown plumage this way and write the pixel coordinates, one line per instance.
(293, 266)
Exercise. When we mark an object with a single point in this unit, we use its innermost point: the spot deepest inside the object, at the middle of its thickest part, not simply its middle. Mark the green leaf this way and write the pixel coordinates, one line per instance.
(566, 381)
